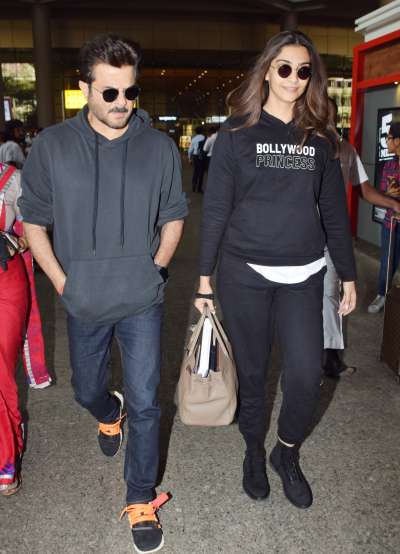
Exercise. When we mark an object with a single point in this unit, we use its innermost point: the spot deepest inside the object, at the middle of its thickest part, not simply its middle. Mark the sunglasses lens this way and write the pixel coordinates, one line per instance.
(110, 94)
(132, 93)
(304, 72)
(284, 71)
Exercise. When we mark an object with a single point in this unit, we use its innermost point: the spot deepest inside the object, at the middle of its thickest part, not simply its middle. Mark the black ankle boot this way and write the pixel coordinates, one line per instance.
(285, 461)
(255, 480)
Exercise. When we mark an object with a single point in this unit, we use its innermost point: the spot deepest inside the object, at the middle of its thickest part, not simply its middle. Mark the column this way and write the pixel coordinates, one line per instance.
(42, 60)
(2, 118)
(289, 21)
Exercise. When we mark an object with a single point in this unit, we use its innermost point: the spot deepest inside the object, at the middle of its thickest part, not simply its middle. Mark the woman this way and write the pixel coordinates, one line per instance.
(276, 198)
(13, 313)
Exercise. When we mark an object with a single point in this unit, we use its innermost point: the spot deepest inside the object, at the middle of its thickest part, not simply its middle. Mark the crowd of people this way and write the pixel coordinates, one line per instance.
(275, 222)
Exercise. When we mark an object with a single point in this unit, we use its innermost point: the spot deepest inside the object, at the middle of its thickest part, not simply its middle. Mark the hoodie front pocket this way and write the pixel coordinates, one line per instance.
(110, 289)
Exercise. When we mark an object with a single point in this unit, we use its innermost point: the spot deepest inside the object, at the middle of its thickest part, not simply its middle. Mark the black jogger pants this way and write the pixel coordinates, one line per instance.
(253, 308)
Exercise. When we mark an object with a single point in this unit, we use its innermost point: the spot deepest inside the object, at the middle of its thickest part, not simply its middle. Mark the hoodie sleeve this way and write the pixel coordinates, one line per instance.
(36, 200)
(218, 201)
(335, 220)
(173, 204)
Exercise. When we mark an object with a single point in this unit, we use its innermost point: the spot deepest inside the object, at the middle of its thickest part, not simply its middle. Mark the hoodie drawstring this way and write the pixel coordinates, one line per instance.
(96, 194)
(122, 200)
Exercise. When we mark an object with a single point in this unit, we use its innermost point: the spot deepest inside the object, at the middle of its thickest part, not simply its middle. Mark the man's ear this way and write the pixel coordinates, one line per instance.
(84, 88)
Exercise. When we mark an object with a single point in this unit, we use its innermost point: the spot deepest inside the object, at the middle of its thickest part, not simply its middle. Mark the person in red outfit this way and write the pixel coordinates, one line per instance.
(14, 301)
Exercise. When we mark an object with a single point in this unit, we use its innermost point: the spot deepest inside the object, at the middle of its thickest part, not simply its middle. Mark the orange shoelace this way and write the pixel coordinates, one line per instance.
(111, 429)
(139, 513)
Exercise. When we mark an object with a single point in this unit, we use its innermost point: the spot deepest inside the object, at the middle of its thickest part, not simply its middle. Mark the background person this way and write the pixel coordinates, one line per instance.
(354, 173)
(272, 159)
(197, 156)
(14, 300)
(209, 144)
(11, 150)
(389, 184)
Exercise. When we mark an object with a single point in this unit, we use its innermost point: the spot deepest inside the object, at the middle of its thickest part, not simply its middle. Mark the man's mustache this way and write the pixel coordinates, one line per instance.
(119, 110)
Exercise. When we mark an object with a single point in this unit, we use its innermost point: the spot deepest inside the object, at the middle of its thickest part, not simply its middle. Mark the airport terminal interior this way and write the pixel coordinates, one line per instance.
(193, 55)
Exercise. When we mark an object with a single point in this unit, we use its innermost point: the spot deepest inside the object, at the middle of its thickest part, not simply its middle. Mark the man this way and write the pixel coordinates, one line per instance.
(209, 145)
(111, 186)
(197, 156)
(11, 151)
(390, 184)
(354, 173)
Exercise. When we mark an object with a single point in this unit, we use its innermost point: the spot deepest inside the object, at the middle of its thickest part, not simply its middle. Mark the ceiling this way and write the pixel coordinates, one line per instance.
(321, 12)
(196, 81)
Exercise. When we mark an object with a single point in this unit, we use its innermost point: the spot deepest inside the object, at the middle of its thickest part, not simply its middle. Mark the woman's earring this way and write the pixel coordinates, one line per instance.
(266, 88)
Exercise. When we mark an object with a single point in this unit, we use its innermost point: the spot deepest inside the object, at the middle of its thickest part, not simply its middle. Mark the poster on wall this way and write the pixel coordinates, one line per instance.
(385, 118)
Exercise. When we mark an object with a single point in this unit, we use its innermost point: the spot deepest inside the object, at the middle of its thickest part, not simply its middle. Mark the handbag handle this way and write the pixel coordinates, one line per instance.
(218, 330)
(195, 335)
(218, 324)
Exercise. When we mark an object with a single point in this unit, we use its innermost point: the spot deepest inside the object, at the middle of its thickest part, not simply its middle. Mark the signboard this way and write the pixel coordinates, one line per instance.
(7, 108)
(385, 118)
(74, 99)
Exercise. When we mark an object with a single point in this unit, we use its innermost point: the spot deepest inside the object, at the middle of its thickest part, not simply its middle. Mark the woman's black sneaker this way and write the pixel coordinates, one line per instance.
(285, 461)
(255, 480)
(147, 534)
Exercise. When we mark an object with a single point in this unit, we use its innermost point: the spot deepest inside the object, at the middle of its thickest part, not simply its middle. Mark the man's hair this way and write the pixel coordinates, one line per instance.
(395, 129)
(109, 49)
(199, 130)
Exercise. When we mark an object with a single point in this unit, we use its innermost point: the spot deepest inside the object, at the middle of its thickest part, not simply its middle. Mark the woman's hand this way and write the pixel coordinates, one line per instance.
(204, 288)
(23, 244)
(348, 302)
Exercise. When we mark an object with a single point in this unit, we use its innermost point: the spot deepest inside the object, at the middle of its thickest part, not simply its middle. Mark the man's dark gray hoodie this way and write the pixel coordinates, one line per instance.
(107, 200)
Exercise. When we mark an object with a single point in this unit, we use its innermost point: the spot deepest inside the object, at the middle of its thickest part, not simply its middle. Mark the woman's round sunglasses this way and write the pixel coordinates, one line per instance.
(303, 72)
(111, 94)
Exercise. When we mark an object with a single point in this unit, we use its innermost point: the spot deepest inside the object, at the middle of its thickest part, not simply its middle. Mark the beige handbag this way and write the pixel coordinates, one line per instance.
(211, 400)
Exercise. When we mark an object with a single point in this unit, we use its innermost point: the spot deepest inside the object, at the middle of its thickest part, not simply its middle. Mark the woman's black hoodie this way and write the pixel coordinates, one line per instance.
(272, 202)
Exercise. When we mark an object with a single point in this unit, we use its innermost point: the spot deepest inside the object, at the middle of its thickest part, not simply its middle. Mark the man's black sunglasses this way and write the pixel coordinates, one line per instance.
(111, 94)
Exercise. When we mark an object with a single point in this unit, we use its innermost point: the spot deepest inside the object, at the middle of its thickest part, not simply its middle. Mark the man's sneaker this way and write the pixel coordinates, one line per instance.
(146, 529)
(110, 435)
(255, 480)
(285, 461)
(376, 305)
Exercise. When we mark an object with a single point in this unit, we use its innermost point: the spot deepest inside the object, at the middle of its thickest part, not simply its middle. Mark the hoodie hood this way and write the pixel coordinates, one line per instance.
(136, 125)
(138, 122)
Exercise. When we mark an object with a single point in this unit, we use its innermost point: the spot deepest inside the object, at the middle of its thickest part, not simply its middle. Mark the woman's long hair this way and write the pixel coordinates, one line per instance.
(310, 112)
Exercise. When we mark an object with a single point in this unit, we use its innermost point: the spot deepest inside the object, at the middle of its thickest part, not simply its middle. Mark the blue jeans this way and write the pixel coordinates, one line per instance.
(138, 338)
(385, 234)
